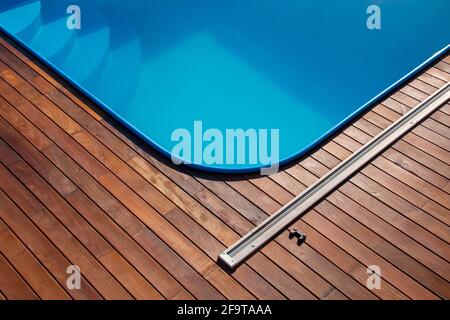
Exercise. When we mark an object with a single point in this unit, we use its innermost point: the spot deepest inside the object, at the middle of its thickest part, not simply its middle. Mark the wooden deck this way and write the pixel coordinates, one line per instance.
(78, 188)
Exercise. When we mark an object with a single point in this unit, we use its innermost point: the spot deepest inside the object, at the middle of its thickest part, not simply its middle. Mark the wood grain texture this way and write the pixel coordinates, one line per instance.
(79, 188)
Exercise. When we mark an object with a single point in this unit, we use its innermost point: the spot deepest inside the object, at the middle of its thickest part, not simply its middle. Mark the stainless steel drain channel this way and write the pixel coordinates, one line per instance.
(279, 221)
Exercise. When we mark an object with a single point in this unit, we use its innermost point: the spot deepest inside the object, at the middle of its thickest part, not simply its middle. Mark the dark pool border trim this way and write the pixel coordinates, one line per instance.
(282, 162)
(279, 221)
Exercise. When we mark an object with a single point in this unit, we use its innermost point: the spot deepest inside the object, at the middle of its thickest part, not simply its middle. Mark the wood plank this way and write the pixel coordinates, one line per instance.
(396, 186)
(425, 159)
(46, 252)
(442, 65)
(25, 263)
(269, 187)
(442, 118)
(307, 255)
(433, 81)
(314, 260)
(107, 179)
(130, 224)
(424, 187)
(330, 275)
(411, 160)
(135, 255)
(413, 153)
(182, 271)
(75, 223)
(76, 133)
(426, 146)
(148, 267)
(437, 265)
(95, 273)
(57, 136)
(424, 237)
(421, 131)
(363, 236)
(441, 129)
(444, 76)
(136, 199)
(369, 199)
(439, 246)
(367, 257)
(290, 288)
(353, 145)
(12, 285)
(384, 249)
(351, 267)
(372, 240)
(184, 296)
(16, 64)
(415, 214)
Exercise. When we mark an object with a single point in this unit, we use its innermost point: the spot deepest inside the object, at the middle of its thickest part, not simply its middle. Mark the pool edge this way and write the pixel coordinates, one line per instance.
(436, 56)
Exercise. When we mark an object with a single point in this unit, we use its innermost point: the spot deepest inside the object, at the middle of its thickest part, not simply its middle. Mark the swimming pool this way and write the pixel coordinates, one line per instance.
(300, 69)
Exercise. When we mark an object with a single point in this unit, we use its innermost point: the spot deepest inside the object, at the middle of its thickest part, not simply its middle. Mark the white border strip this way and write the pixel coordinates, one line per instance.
(273, 225)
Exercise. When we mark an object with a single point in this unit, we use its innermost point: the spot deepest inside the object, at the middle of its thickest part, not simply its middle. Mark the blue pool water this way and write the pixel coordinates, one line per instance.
(303, 68)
